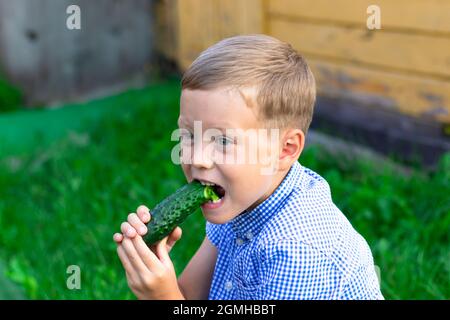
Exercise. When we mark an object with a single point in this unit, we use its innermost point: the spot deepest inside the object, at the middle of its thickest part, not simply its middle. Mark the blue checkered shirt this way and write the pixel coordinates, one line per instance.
(295, 245)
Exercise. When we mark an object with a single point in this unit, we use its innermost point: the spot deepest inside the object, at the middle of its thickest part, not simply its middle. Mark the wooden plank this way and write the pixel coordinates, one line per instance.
(410, 52)
(411, 95)
(196, 29)
(421, 15)
(344, 151)
(166, 28)
(203, 23)
(394, 134)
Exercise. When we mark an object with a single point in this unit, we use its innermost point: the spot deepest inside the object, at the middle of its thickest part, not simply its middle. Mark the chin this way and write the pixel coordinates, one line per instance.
(214, 219)
(218, 218)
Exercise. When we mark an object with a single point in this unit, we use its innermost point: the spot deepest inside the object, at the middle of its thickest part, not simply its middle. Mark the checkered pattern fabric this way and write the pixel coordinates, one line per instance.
(295, 245)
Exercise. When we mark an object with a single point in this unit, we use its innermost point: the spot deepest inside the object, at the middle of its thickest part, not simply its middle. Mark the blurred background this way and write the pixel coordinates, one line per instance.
(86, 116)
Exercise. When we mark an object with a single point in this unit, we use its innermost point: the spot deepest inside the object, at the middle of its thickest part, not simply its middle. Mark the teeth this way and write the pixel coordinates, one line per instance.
(206, 183)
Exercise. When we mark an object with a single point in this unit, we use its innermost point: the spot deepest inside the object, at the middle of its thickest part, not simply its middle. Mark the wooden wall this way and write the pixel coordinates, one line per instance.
(404, 67)
(187, 27)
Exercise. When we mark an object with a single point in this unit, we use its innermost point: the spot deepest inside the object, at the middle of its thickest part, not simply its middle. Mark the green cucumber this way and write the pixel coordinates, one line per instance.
(174, 209)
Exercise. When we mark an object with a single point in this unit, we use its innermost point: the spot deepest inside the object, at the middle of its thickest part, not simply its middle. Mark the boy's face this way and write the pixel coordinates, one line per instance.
(224, 151)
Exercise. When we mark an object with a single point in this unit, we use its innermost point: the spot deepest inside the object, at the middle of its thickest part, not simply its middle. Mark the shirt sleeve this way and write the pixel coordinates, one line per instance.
(214, 233)
(292, 270)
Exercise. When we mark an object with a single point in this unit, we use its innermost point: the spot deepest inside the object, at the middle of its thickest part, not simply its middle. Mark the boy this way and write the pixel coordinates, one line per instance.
(275, 233)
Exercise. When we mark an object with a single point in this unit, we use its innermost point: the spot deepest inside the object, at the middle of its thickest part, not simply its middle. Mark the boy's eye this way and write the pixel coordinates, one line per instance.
(223, 141)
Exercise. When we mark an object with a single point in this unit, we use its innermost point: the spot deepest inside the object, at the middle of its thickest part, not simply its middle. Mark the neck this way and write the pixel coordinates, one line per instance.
(277, 178)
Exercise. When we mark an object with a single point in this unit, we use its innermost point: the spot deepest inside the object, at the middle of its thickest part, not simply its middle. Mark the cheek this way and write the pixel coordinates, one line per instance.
(186, 171)
(245, 180)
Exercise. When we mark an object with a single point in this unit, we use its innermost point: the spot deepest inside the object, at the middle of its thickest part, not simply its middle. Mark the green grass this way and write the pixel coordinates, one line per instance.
(9, 290)
(61, 202)
(10, 96)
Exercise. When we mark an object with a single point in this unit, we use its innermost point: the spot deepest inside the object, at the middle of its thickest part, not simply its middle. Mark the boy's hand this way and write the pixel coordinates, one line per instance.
(150, 272)
(136, 226)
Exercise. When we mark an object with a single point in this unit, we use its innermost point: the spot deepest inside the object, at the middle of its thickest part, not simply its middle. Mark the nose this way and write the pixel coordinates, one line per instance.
(202, 155)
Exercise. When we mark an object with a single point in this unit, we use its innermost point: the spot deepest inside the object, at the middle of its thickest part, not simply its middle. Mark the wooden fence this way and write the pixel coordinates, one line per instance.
(404, 66)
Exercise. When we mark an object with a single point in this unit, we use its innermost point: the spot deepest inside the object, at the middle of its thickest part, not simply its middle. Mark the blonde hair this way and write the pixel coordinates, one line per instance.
(285, 86)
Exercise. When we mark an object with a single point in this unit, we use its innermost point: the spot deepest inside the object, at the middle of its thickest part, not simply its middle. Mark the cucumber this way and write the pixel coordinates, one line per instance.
(174, 209)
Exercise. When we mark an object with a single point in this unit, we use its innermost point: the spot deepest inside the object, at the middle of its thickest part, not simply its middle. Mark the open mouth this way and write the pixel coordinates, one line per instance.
(219, 190)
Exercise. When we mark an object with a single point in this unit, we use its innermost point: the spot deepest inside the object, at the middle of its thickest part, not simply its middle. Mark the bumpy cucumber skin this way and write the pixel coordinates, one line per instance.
(174, 209)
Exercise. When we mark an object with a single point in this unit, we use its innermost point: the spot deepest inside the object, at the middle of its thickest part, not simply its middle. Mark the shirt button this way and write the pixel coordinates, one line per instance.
(249, 235)
(239, 241)
(228, 285)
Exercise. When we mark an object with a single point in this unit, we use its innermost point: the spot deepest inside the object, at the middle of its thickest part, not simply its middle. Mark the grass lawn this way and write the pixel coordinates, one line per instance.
(63, 193)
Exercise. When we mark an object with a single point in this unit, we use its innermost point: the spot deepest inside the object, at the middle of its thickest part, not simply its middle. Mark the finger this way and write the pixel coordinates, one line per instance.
(174, 236)
(148, 257)
(161, 250)
(127, 230)
(137, 224)
(118, 237)
(143, 213)
(134, 257)
(129, 270)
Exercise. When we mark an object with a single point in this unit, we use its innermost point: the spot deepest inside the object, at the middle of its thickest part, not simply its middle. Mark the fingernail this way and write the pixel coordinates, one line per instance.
(142, 229)
(130, 233)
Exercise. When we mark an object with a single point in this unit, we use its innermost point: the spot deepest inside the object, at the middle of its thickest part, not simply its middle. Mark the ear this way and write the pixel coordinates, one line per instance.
(291, 147)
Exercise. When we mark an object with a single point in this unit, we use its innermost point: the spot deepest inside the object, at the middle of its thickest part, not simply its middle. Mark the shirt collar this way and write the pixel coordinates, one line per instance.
(248, 224)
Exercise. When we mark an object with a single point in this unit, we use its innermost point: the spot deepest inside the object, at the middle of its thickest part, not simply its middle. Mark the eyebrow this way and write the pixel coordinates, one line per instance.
(181, 122)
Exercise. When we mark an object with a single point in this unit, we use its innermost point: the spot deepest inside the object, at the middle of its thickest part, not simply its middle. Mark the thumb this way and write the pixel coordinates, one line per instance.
(162, 251)
(174, 236)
